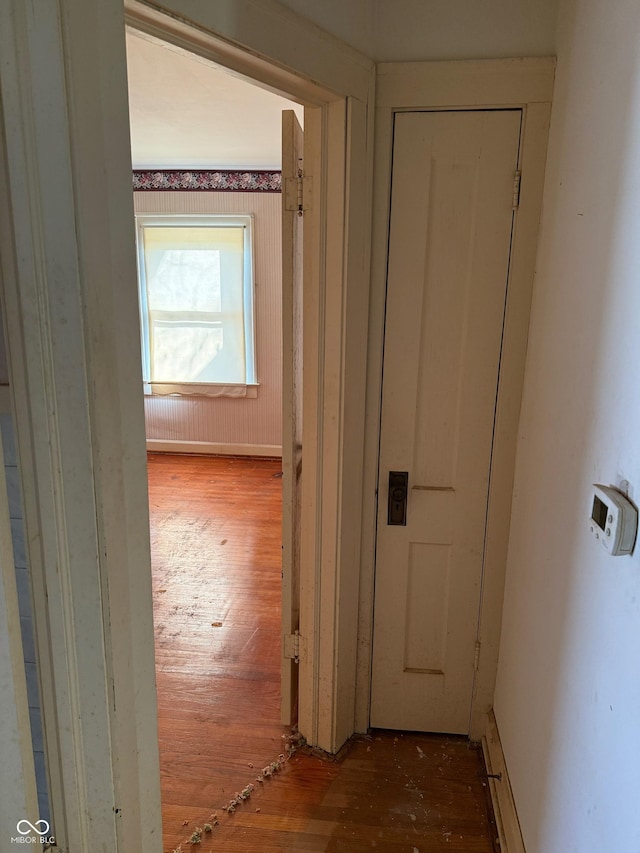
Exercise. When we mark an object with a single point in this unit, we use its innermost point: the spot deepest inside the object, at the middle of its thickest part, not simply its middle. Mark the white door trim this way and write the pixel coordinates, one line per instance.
(67, 278)
(523, 83)
(263, 40)
(73, 349)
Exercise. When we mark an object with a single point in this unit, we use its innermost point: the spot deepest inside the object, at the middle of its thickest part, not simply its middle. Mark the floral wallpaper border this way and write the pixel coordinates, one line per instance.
(201, 179)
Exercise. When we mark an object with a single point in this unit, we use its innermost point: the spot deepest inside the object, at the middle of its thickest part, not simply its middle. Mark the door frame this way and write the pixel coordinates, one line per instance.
(72, 341)
(336, 84)
(526, 84)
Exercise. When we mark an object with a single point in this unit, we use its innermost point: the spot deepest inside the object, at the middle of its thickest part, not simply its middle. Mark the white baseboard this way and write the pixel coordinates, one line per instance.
(504, 806)
(211, 448)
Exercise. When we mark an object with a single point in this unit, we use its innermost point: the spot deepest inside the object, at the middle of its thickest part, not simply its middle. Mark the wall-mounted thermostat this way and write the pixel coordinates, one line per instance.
(613, 520)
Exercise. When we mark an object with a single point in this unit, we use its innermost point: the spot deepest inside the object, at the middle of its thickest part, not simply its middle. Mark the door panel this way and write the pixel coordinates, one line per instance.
(292, 151)
(450, 237)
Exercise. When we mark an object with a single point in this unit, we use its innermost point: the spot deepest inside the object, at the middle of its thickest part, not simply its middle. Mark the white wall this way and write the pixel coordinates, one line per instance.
(568, 692)
(224, 420)
(405, 30)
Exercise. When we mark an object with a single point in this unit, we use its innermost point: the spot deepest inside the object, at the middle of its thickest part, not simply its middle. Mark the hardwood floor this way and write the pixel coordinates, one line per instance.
(216, 544)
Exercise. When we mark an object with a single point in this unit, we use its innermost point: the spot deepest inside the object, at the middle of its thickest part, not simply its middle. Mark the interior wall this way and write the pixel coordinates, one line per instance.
(407, 30)
(251, 422)
(568, 693)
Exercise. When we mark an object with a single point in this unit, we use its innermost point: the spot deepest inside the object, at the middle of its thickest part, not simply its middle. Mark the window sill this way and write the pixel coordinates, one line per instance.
(198, 389)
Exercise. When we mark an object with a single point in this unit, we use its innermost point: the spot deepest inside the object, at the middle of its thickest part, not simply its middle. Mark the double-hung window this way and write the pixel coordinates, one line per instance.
(195, 276)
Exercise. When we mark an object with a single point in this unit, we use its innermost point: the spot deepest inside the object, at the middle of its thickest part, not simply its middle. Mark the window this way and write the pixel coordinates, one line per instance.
(195, 277)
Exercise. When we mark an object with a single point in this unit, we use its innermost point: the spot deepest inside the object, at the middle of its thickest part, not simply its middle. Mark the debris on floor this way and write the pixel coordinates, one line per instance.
(196, 836)
(293, 742)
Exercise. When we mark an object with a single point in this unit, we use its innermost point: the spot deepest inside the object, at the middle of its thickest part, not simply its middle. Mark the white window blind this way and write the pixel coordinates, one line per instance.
(196, 300)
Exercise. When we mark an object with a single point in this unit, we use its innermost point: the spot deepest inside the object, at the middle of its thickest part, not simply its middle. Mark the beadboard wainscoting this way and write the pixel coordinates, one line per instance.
(224, 424)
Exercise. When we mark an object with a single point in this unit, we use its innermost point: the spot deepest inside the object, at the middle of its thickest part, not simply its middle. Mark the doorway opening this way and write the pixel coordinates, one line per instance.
(206, 151)
(83, 452)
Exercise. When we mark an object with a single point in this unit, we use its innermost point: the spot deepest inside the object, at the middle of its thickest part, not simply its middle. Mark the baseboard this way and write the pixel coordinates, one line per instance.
(504, 805)
(212, 448)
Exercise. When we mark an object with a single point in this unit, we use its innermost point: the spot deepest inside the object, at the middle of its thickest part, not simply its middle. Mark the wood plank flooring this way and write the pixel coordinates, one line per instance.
(215, 541)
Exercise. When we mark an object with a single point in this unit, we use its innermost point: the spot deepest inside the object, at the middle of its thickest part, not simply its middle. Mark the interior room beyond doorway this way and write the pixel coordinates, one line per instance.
(206, 151)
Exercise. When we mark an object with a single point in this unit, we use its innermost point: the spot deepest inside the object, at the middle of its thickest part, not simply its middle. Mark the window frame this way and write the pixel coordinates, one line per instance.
(249, 387)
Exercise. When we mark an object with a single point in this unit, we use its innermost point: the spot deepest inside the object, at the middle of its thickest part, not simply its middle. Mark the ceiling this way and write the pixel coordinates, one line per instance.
(189, 113)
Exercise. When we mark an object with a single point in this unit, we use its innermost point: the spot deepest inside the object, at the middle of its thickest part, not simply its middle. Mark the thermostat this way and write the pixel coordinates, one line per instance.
(613, 520)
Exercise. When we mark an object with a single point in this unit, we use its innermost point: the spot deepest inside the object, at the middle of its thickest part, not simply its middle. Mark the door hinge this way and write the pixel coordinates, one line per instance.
(476, 656)
(298, 193)
(516, 189)
(291, 646)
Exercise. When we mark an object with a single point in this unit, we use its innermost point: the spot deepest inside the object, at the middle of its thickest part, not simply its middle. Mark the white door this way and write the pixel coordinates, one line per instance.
(450, 237)
(292, 151)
